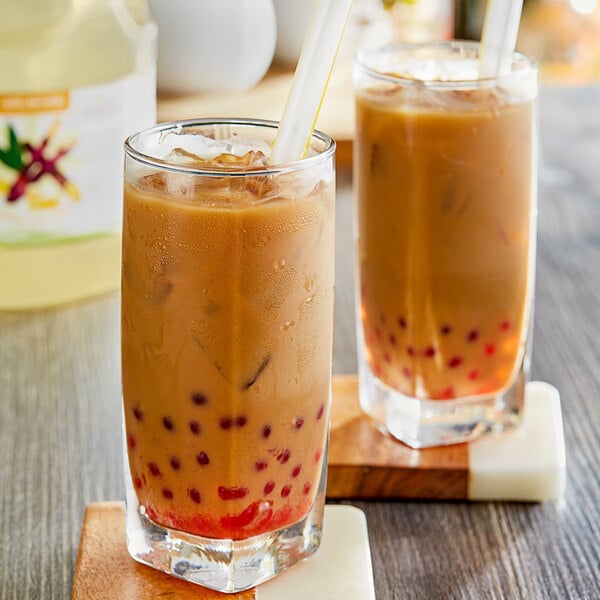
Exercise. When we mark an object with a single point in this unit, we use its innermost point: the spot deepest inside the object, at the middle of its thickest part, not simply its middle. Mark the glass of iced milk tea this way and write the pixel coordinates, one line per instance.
(445, 175)
(227, 319)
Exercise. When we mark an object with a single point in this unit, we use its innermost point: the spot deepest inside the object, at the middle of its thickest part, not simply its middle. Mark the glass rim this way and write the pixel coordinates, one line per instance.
(360, 60)
(220, 171)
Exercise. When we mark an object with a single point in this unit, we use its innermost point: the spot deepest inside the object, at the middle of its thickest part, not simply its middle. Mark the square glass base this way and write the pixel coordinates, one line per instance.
(427, 423)
(224, 565)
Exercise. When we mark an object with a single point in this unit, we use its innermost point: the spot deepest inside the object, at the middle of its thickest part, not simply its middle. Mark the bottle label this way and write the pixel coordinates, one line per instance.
(61, 158)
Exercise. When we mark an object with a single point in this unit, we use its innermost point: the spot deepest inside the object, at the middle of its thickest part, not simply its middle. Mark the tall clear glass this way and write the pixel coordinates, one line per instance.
(445, 175)
(227, 324)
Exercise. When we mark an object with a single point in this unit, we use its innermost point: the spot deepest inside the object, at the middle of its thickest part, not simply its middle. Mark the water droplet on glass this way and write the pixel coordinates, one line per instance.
(287, 325)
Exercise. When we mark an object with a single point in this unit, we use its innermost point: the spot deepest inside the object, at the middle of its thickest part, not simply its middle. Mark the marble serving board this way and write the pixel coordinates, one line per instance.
(527, 464)
(341, 568)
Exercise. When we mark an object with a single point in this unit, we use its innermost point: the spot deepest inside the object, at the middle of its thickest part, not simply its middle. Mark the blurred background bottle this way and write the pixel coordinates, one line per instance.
(562, 35)
(76, 77)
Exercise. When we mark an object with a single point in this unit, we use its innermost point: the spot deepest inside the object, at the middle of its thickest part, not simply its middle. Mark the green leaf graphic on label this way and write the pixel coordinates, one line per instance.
(12, 157)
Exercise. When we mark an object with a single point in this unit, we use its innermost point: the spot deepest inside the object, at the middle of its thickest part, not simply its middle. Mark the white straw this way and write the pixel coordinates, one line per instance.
(310, 80)
(499, 37)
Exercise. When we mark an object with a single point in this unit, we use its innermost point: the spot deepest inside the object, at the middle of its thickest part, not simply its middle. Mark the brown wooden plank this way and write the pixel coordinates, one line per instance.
(105, 571)
(366, 463)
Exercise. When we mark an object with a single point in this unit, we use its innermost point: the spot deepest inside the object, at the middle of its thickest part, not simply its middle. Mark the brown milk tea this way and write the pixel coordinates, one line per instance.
(445, 210)
(227, 300)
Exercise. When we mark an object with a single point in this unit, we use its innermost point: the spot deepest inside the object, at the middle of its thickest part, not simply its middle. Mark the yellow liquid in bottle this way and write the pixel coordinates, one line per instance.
(48, 46)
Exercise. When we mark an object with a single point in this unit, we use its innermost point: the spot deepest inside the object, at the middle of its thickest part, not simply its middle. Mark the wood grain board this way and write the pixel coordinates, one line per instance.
(340, 569)
(105, 571)
(267, 101)
(366, 463)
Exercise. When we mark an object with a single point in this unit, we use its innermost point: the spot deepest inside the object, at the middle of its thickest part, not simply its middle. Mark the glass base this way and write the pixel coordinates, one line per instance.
(224, 565)
(427, 423)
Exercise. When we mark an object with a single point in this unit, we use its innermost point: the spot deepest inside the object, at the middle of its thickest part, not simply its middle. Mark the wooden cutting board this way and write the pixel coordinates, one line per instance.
(340, 569)
(267, 101)
(366, 463)
(527, 464)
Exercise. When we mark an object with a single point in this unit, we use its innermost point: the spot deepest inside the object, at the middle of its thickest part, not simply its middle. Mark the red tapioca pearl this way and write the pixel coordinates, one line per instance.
(377, 369)
(382, 318)
(429, 352)
(194, 495)
(473, 335)
(473, 374)
(225, 422)
(392, 339)
(447, 393)
(455, 362)
(505, 326)
(154, 470)
(202, 458)
(370, 339)
(410, 351)
(131, 442)
(261, 465)
(138, 414)
(283, 456)
(258, 514)
(387, 358)
(151, 512)
(195, 427)
(296, 470)
(299, 421)
(306, 488)
(232, 493)
(266, 431)
(490, 349)
(175, 464)
(286, 490)
(241, 420)
(167, 493)
(377, 332)
(137, 482)
(406, 372)
(318, 454)
(402, 323)
(269, 487)
(199, 399)
(168, 423)
(320, 412)
(446, 329)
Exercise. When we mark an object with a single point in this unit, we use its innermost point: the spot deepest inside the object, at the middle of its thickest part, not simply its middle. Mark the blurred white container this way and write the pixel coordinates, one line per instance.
(370, 24)
(293, 19)
(207, 45)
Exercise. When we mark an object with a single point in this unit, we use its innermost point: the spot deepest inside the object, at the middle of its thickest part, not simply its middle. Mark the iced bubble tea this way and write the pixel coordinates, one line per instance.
(227, 318)
(445, 175)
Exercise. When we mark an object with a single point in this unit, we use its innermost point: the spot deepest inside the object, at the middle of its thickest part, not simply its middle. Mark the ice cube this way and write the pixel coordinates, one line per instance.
(189, 147)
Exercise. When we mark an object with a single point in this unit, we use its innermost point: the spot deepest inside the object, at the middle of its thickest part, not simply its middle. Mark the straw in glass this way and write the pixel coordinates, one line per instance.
(310, 80)
(499, 37)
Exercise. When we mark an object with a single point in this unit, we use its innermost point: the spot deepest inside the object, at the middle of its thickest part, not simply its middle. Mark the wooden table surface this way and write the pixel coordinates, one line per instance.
(60, 417)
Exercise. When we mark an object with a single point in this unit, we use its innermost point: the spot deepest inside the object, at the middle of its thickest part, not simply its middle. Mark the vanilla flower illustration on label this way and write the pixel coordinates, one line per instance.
(34, 164)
